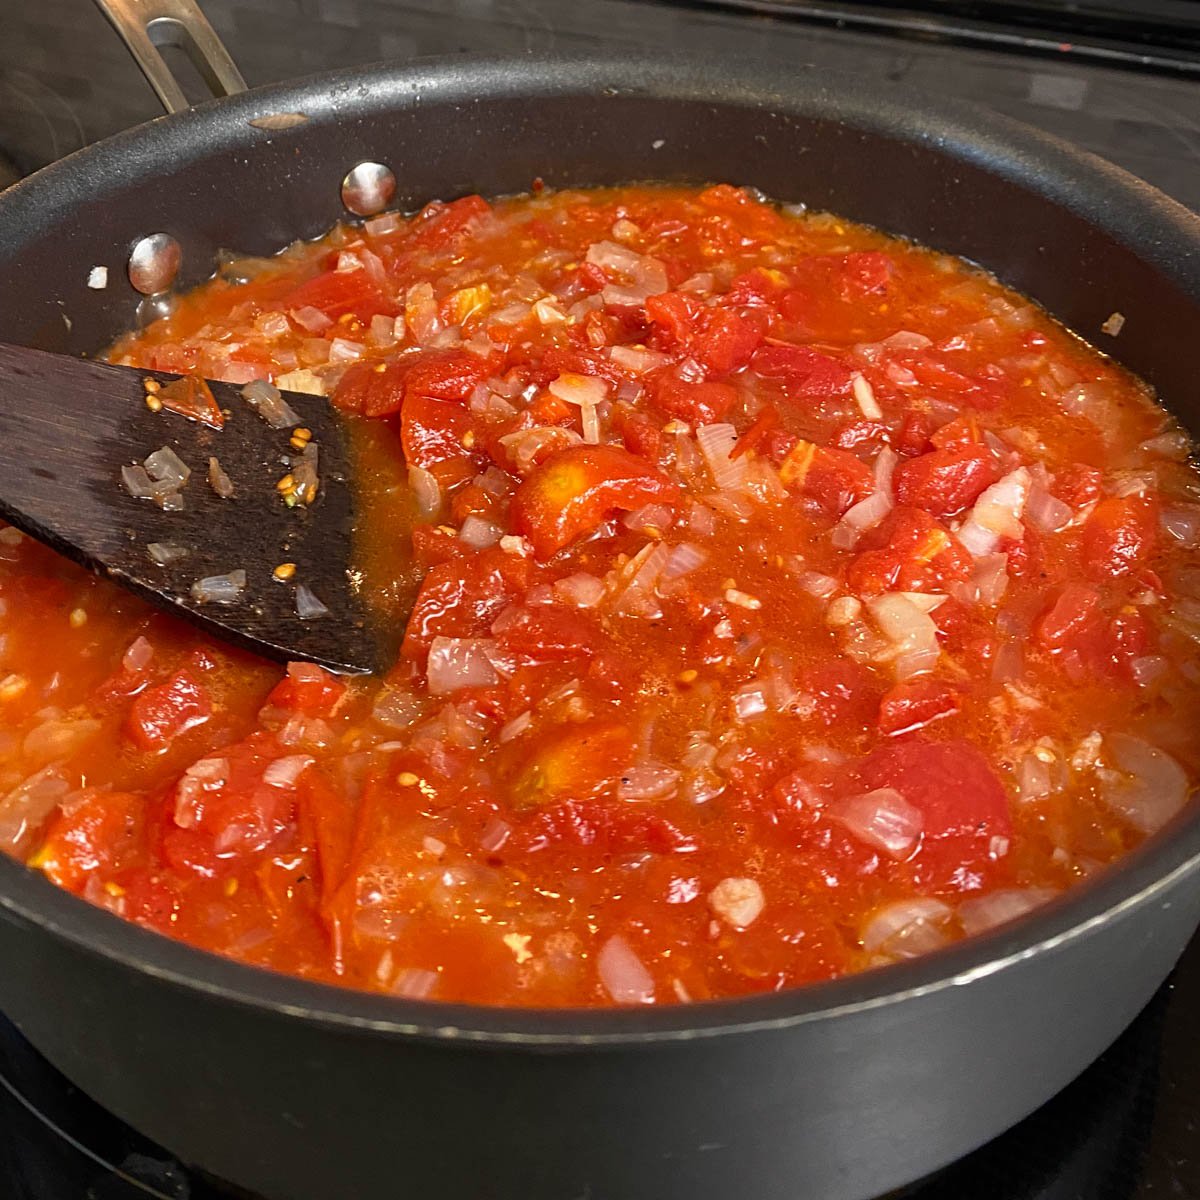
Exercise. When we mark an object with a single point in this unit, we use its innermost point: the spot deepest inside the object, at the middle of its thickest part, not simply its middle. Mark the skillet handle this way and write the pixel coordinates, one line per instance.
(145, 25)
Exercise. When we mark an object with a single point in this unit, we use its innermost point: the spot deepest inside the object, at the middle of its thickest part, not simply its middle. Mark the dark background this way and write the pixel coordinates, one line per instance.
(66, 80)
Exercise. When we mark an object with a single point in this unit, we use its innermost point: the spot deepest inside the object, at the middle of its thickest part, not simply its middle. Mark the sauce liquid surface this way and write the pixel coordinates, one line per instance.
(792, 600)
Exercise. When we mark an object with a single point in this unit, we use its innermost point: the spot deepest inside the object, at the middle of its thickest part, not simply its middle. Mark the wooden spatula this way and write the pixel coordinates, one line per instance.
(67, 428)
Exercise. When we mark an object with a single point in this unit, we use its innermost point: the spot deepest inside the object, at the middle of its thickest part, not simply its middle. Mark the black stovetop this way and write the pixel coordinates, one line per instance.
(1120, 80)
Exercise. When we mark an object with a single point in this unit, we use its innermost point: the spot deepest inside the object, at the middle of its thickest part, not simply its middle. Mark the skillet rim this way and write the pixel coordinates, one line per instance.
(1156, 229)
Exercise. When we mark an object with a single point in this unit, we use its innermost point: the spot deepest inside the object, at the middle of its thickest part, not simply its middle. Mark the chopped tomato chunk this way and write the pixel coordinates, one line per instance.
(1119, 536)
(911, 706)
(945, 482)
(160, 714)
(308, 688)
(699, 401)
(575, 489)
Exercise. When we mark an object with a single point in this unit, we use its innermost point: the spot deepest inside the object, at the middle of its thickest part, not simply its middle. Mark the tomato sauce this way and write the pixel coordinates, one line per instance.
(790, 600)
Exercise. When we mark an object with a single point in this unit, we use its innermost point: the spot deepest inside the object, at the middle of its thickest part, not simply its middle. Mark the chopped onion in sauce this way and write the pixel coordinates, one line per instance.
(623, 974)
(882, 818)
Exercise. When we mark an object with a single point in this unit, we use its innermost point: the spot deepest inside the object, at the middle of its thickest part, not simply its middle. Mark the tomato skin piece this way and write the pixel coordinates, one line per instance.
(461, 598)
(701, 402)
(548, 633)
(916, 433)
(813, 374)
(866, 272)
(727, 339)
(448, 375)
(641, 435)
(1078, 485)
(908, 551)
(307, 688)
(570, 763)
(945, 482)
(439, 223)
(95, 833)
(160, 714)
(607, 827)
(1076, 607)
(845, 692)
(835, 479)
(338, 293)
(573, 491)
(1119, 536)
(437, 375)
(363, 388)
(962, 804)
(916, 703)
(675, 313)
(432, 432)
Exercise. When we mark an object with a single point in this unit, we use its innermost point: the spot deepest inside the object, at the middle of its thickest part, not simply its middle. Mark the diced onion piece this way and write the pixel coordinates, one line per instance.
(716, 444)
(303, 381)
(882, 818)
(649, 516)
(1149, 669)
(583, 390)
(1033, 778)
(166, 553)
(24, 809)
(639, 275)
(57, 738)
(815, 584)
(218, 480)
(284, 772)
(1046, 512)
(623, 974)
(267, 400)
(308, 606)
(342, 351)
(651, 781)
(907, 928)
(385, 223)
(421, 312)
(495, 834)
(1148, 788)
(864, 515)
(904, 622)
(998, 908)
(312, 319)
(737, 901)
(397, 709)
(990, 578)
(220, 589)
(683, 560)
(547, 312)
(996, 514)
(456, 663)
(1182, 525)
(637, 359)
(864, 397)
(165, 467)
(138, 655)
(580, 590)
(415, 983)
(478, 532)
(426, 490)
(98, 278)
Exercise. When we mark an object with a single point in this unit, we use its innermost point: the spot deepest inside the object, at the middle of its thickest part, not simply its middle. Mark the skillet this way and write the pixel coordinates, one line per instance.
(841, 1091)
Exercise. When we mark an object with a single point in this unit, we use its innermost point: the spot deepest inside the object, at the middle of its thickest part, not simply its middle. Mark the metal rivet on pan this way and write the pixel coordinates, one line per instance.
(154, 263)
(368, 189)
